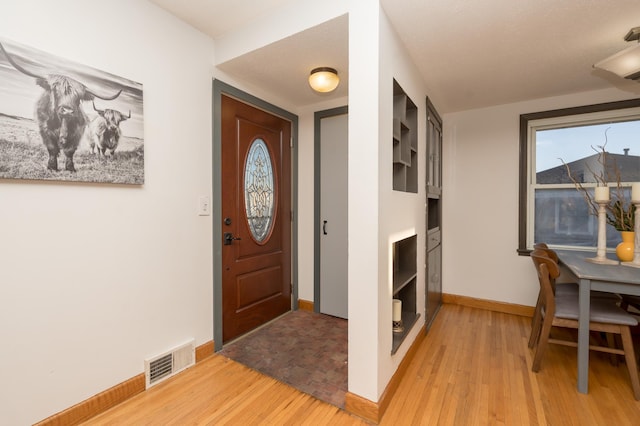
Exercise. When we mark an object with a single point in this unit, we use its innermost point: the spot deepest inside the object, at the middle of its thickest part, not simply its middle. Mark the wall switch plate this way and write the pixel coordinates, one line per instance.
(204, 205)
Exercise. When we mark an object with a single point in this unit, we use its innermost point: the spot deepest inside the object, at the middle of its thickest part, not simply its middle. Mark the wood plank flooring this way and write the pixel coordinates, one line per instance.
(473, 368)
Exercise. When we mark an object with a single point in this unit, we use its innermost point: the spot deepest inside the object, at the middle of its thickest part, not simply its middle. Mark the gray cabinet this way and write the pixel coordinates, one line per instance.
(434, 277)
(433, 265)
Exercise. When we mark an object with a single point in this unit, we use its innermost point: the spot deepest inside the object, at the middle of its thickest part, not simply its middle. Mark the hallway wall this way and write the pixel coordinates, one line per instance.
(480, 208)
(96, 278)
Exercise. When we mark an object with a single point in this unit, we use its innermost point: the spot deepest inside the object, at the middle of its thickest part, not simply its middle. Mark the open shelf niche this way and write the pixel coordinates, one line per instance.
(405, 141)
(404, 285)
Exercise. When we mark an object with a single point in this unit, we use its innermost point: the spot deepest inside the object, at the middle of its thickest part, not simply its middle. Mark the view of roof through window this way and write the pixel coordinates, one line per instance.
(570, 144)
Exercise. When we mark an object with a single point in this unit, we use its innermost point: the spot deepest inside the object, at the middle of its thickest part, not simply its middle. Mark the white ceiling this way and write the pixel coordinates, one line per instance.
(470, 53)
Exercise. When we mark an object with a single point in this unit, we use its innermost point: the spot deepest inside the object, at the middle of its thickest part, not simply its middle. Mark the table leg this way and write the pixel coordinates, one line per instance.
(583, 336)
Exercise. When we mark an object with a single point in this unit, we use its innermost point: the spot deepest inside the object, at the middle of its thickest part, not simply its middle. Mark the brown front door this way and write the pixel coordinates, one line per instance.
(256, 217)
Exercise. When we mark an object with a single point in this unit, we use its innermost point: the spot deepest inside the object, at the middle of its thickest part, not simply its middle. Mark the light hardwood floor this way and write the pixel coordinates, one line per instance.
(473, 368)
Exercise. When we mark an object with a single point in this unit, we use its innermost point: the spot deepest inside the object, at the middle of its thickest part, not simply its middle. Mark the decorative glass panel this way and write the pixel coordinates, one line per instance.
(258, 190)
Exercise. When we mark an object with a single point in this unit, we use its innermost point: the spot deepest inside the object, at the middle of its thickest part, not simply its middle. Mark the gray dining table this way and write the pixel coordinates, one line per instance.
(619, 279)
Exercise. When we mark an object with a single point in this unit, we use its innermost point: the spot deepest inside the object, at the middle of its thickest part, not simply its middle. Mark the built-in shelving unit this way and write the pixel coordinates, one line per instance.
(405, 141)
(434, 215)
(404, 285)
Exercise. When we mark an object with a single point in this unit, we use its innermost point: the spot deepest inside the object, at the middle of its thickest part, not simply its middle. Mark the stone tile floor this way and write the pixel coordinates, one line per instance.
(304, 349)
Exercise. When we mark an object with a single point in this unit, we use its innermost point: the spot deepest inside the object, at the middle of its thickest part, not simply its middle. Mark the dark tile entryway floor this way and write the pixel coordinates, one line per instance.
(303, 349)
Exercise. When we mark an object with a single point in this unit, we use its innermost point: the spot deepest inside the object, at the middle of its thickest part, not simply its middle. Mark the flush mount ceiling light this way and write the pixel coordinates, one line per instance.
(324, 79)
(627, 62)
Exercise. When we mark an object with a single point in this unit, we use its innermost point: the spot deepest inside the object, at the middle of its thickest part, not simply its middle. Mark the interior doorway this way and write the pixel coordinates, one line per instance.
(297, 339)
(331, 200)
(256, 218)
(255, 203)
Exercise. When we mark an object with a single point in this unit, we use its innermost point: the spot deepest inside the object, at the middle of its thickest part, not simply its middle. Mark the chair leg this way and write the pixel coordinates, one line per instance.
(630, 358)
(543, 342)
(611, 342)
(623, 304)
(536, 323)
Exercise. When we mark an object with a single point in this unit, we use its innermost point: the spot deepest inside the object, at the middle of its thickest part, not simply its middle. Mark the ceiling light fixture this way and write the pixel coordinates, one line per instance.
(324, 79)
(625, 63)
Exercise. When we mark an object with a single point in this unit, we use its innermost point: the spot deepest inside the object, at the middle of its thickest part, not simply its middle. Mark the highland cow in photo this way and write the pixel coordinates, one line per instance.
(104, 130)
(59, 114)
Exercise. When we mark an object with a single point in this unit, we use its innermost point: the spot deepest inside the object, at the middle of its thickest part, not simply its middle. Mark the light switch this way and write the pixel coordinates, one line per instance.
(204, 205)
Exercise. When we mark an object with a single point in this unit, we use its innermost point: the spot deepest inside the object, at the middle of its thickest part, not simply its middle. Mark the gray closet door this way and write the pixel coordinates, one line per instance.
(333, 213)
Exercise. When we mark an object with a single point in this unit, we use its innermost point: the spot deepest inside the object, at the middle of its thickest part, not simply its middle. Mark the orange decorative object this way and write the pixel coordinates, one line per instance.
(625, 249)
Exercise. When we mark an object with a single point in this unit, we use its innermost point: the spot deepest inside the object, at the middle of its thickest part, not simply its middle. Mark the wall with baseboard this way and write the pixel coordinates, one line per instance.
(96, 278)
(480, 206)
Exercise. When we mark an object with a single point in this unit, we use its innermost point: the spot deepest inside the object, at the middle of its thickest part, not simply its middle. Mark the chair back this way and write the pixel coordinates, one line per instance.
(548, 270)
(550, 252)
(550, 258)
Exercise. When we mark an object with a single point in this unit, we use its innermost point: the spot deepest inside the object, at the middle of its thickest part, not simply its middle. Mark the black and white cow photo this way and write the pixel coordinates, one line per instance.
(60, 120)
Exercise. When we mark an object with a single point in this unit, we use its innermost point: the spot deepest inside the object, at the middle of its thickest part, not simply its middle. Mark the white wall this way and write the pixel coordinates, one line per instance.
(101, 275)
(480, 202)
(96, 278)
(291, 18)
(402, 214)
(363, 204)
(378, 215)
(125, 272)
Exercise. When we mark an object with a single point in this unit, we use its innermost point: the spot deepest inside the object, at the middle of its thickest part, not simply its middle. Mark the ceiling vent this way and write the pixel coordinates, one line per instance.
(170, 363)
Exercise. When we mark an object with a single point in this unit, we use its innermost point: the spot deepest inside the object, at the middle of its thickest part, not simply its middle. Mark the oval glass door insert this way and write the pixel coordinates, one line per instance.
(259, 197)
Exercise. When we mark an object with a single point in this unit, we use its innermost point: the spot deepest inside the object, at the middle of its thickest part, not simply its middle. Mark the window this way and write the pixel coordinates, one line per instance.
(258, 190)
(551, 209)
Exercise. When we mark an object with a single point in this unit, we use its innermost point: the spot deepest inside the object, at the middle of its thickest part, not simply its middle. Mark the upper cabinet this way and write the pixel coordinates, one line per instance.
(405, 141)
(434, 151)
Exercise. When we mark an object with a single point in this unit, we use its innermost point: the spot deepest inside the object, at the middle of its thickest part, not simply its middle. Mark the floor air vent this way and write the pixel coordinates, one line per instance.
(170, 363)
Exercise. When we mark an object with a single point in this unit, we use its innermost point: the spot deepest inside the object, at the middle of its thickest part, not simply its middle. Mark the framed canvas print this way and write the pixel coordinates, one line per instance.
(63, 121)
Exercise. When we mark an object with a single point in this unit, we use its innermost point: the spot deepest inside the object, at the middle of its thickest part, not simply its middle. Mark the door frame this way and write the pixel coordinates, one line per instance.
(317, 178)
(220, 88)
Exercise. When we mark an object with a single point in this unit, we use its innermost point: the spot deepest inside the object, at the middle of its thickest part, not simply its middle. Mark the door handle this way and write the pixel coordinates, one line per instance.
(228, 238)
(324, 227)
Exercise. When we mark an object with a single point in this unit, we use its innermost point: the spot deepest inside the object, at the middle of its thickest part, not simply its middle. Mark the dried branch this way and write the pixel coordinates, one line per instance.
(591, 202)
(620, 212)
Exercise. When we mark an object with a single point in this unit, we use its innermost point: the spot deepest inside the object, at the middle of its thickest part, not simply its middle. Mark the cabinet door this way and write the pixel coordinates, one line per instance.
(433, 183)
(434, 150)
(434, 283)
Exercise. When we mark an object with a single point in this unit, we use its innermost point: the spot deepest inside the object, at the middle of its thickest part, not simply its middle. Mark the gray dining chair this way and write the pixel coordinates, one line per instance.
(606, 316)
(631, 301)
(560, 289)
